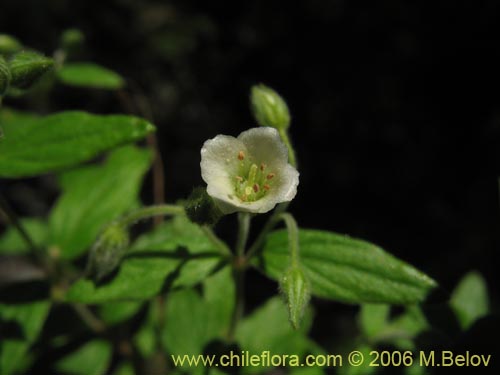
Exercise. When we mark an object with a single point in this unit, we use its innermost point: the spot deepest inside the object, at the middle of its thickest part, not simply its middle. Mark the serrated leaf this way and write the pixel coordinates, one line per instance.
(26, 67)
(177, 250)
(94, 196)
(20, 326)
(90, 75)
(11, 241)
(34, 145)
(347, 269)
(93, 358)
(470, 299)
(193, 320)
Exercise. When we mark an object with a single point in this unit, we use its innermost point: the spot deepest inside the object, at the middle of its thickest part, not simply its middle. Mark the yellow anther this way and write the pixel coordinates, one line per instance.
(248, 190)
(239, 178)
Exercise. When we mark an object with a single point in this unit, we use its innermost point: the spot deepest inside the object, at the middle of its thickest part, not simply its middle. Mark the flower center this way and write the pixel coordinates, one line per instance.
(252, 181)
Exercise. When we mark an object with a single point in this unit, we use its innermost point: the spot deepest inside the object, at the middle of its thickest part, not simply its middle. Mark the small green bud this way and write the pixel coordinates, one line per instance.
(269, 108)
(72, 39)
(108, 251)
(296, 290)
(27, 67)
(5, 76)
(9, 44)
(201, 208)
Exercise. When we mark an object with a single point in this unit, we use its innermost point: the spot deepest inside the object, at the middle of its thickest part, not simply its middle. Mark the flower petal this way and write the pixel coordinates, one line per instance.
(264, 145)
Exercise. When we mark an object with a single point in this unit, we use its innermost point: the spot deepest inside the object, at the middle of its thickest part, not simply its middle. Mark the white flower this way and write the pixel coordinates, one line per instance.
(249, 173)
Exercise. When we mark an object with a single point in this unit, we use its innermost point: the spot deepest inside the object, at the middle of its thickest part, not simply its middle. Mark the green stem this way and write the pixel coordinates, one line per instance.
(150, 211)
(293, 237)
(291, 153)
(11, 218)
(216, 241)
(94, 323)
(271, 222)
(239, 265)
(243, 230)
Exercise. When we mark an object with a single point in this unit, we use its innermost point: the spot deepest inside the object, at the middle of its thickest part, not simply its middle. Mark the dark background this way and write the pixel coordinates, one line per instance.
(395, 105)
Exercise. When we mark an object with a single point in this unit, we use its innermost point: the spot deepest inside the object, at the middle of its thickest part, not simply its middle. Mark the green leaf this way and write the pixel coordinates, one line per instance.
(193, 320)
(35, 145)
(11, 241)
(347, 269)
(90, 75)
(92, 358)
(117, 312)
(20, 326)
(175, 254)
(94, 196)
(470, 299)
(373, 318)
(26, 67)
(268, 329)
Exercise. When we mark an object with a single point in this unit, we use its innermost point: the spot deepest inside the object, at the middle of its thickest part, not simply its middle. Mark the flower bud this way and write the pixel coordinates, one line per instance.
(108, 251)
(296, 290)
(201, 208)
(72, 39)
(269, 108)
(5, 76)
(9, 44)
(27, 67)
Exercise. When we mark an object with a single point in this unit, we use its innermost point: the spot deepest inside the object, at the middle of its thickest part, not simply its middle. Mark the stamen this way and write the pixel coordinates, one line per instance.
(252, 174)
(262, 167)
(241, 155)
(256, 188)
(270, 176)
(239, 178)
(266, 187)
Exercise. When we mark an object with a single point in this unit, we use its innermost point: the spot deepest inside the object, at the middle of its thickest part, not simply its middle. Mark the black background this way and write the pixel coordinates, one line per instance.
(395, 105)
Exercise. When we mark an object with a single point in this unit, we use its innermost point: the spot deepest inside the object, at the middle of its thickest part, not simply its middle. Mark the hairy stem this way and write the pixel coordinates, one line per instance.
(293, 237)
(216, 241)
(151, 211)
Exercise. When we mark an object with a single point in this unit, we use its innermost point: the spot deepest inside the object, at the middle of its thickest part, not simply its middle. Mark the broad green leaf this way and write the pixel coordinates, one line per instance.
(364, 368)
(92, 358)
(117, 312)
(36, 145)
(12, 243)
(90, 75)
(175, 254)
(373, 318)
(402, 330)
(268, 329)
(193, 320)
(470, 299)
(20, 326)
(125, 369)
(93, 196)
(347, 269)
